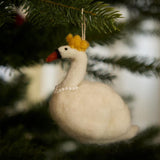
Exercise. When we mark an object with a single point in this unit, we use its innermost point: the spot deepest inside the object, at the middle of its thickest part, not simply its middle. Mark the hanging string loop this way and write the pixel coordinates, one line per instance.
(83, 25)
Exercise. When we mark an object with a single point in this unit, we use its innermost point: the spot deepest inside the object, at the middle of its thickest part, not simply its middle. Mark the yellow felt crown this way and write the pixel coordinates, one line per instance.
(77, 42)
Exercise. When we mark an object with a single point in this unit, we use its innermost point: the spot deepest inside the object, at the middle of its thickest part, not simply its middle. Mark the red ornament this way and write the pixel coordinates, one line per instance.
(19, 20)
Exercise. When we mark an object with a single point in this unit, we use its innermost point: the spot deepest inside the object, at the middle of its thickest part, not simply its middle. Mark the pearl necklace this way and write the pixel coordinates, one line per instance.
(59, 90)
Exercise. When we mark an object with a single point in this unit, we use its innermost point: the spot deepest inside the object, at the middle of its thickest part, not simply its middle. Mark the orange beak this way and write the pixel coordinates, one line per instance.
(53, 56)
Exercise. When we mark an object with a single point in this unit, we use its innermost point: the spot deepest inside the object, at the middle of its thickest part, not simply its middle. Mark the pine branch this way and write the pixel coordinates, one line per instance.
(133, 64)
(101, 75)
(146, 9)
(17, 86)
(26, 45)
(107, 38)
(99, 15)
(120, 151)
(6, 13)
(69, 7)
(15, 144)
(146, 136)
(154, 32)
(8, 10)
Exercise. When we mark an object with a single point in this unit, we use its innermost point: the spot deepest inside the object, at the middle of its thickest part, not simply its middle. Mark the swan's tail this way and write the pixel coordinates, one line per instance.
(132, 131)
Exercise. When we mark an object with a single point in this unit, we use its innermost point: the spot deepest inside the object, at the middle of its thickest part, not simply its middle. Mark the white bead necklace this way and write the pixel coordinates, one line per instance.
(59, 90)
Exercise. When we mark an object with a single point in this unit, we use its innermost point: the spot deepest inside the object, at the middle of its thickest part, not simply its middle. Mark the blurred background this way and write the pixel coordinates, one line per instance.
(27, 82)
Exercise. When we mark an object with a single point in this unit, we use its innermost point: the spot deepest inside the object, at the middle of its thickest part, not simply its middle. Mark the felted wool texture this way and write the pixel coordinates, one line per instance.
(77, 42)
(78, 67)
(94, 113)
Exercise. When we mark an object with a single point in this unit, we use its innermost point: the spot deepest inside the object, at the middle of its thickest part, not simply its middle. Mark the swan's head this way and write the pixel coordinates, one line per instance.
(75, 49)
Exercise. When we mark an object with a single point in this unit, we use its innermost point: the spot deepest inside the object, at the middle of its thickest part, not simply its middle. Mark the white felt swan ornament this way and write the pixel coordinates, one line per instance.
(91, 112)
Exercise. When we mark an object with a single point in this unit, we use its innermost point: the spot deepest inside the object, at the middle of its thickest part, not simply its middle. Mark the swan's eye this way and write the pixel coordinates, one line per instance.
(66, 48)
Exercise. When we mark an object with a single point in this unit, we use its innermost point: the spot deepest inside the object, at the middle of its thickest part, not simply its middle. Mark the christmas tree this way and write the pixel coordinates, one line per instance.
(27, 39)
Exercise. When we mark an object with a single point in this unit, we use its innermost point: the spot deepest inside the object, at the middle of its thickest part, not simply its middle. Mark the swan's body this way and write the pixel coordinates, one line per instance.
(104, 119)
(93, 113)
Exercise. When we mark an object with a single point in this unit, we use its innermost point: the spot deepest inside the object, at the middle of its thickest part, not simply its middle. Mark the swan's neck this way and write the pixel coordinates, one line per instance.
(76, 72)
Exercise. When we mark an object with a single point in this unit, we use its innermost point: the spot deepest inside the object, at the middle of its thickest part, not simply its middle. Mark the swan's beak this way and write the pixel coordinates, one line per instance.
(53, 56)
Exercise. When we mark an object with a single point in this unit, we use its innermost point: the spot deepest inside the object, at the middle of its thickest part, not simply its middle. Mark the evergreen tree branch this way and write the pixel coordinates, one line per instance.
(15, 144)
(146, 136)
(120, 151)
(100, 16)
(133, 64)
(17, 86)
(101, 75)
(146, 9)
(104, 39)
(6, 13)
(66, 6)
